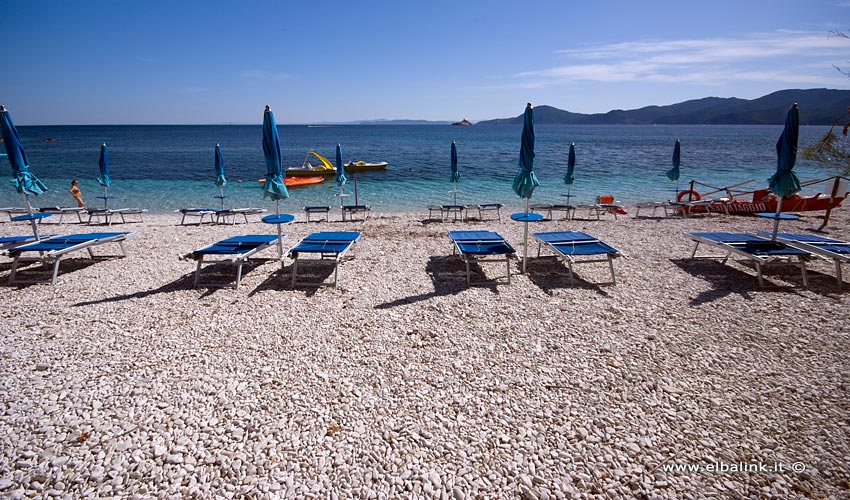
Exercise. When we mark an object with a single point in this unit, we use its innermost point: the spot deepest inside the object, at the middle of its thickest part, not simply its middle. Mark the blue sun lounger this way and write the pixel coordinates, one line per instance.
(14, 241)
(52, 250)
(828, 248)
(480, 246)
(567, 245)
(328, 245)
(236, 249)
(760, 251)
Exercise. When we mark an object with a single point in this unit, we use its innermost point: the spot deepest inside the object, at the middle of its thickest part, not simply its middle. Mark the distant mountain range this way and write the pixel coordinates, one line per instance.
(817, 107)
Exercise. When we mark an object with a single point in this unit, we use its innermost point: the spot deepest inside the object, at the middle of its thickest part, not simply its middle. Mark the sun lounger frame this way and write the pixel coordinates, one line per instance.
(49, 256)
(815, 244)
(321, 211)
(556, 239)
(479, 238)
(352, 210)
(79, 211)
(320, 242)
(200, 213)
(109, 214)
(222, 216)
(735, 243)
(13, 211)
(489, 207)
(241, 252)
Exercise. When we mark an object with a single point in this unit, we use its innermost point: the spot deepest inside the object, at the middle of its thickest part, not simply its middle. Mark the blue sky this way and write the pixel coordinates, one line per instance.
(193, 62)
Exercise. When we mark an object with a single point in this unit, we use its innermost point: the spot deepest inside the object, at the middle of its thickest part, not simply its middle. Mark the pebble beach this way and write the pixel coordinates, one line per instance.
(683, 380)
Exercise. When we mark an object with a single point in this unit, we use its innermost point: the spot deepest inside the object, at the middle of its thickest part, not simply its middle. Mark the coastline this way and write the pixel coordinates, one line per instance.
(403, 382)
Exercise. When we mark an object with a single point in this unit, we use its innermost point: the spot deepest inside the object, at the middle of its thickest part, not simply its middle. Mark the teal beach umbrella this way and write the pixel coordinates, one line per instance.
(525, 181)
(673, 173)
(274, 187)
(340, 174)
(455, 173)
(103, 177)
(220, 181)
(784, 182)
(25, 182)
(340, 167)
(569, 178)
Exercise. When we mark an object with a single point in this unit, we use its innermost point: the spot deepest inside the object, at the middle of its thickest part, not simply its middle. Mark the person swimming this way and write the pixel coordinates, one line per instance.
(76, 193)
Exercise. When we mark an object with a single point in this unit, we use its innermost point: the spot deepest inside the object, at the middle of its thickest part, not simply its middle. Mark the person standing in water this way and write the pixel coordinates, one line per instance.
(76, 193)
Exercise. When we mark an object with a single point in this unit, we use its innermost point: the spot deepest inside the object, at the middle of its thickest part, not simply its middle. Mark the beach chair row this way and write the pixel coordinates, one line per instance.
(570, 247)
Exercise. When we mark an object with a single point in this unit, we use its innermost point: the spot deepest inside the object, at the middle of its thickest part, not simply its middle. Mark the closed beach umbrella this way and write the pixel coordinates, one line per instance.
(340, 167)
(340, 175)
(569, 178)
(784, 182)
(273, 187)
(525, 181)
(25, 182)
(455, 173)
(103, 178)
(220, 181)
(673, 173)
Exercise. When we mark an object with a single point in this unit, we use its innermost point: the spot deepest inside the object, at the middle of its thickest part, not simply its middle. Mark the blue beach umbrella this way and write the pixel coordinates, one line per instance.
(340, 174)
(455, 178)
(569, 178)
(673, 173)
(274, 187)
(220, 181)
(340, 167)
(784, 182)
(25, 182)
(525, 180)
(103, 178)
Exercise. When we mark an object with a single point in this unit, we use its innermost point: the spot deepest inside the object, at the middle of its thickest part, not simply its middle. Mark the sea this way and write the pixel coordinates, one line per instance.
(165, 168)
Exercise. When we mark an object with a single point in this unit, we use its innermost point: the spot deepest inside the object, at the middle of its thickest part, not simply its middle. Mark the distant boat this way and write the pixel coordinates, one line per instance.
(362, 166)
(309, 170)
(48, 139)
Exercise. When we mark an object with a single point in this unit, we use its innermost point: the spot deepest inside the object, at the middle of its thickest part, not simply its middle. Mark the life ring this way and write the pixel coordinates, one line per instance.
(694, 195)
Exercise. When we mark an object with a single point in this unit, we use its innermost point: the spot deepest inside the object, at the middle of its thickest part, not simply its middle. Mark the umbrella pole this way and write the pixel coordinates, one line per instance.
(105, 197)
(454, 192)
(776, 218)
(221, 196)
(356, 199)
(279, 234)
(29, 213)
(525, 239)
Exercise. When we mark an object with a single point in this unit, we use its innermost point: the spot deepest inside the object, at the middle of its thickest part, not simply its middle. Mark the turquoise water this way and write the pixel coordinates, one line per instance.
(163, 168)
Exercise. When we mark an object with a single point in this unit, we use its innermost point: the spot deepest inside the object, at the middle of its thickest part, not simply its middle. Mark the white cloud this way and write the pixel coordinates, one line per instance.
(784, 56)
